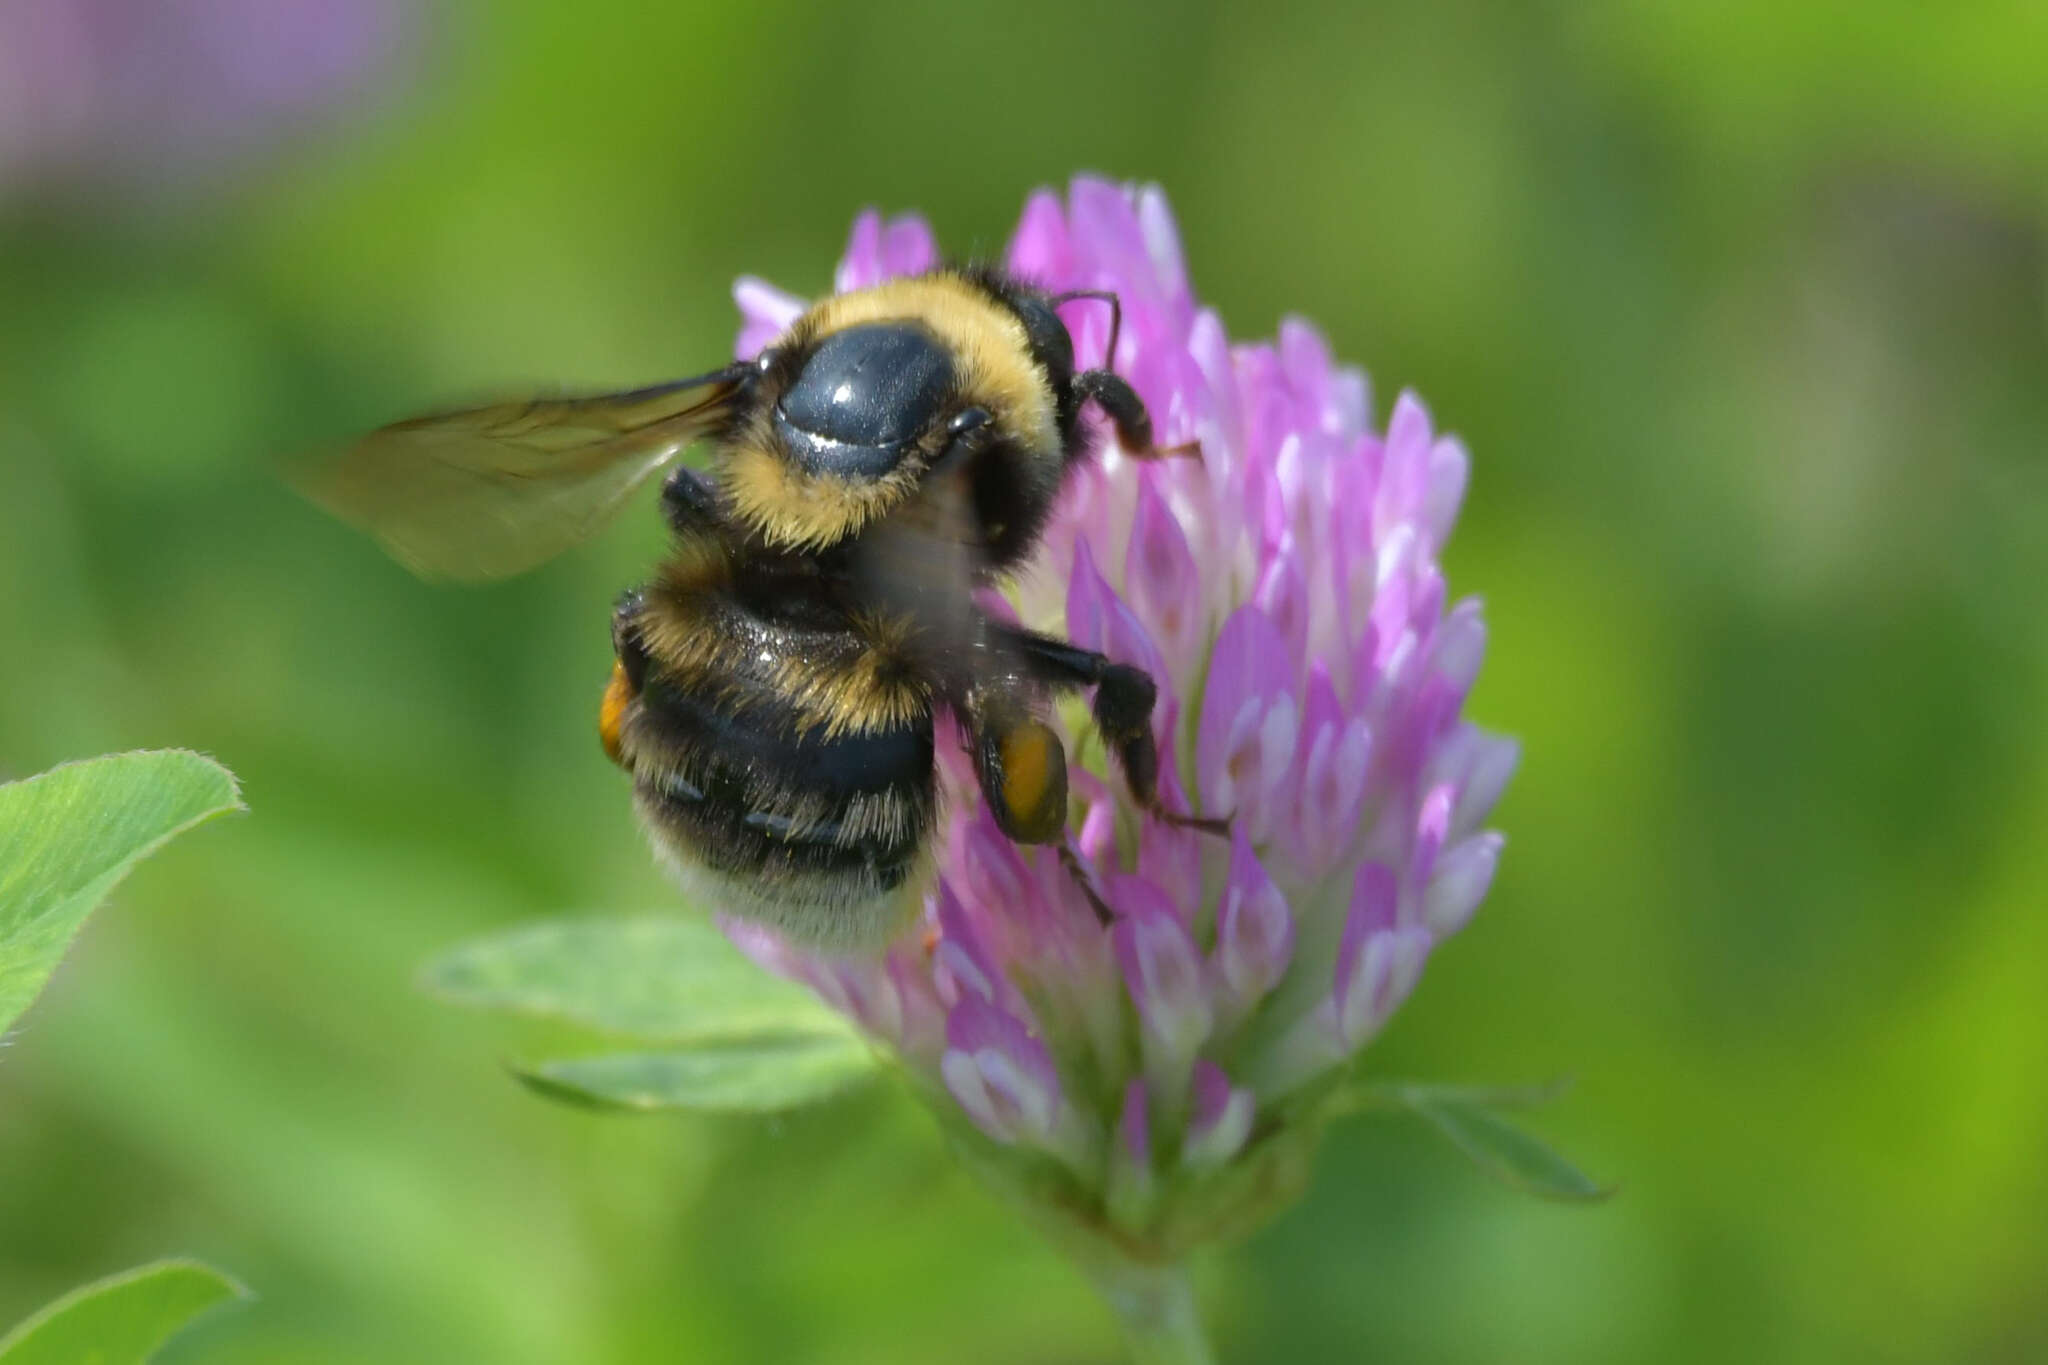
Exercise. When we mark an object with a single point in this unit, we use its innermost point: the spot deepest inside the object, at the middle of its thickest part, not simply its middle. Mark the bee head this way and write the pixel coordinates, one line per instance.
(856, 405)
(863, 399)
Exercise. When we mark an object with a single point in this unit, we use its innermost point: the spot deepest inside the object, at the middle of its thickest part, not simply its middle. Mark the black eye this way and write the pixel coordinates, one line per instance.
(1051, 346)
(863, 398)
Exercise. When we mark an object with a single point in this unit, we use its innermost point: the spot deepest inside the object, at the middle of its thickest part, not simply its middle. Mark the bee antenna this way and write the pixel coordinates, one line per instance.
(1116, 316)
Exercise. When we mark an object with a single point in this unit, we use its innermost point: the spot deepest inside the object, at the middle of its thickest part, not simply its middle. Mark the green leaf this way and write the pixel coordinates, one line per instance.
(1465, 1115)
(68, 835)
(758, 1077)
(121, 1320)
(666, 979)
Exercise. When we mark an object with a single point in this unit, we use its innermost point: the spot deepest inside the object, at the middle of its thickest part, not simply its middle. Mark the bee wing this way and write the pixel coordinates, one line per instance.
(493, 491)
(922, 563)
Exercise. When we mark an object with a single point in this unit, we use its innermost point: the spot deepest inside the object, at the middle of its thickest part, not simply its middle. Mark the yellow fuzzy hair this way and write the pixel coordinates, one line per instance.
(788, 507)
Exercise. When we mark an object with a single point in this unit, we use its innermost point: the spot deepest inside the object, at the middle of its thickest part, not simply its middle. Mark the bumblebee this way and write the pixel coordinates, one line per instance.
(778, 682)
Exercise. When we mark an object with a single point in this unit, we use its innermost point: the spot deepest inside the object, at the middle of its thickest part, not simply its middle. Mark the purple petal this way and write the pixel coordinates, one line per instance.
(1268, 413)
(861, 265)
(875, 252)
(1389, 965)
(864, 989)
(1426, 596)
(1170, 858)
(1374, 892)
(1211, 1091)
(1449, 467)
(1431, 825)
(1282, 594)
(762, 945)
(1087, 323)
(1221, 1121)
(1161, 580)
(1040, 251)
(765, 313)
(1098, 824)
(1254, 931)
(1463, 875)
(1378, 959)
(1001, 1075)
(1331, 768)
(924, 1015)
(1245, 742)
(1404, 476)
(1111, 241)
(1304, 356)
(1264, 499)
(1161, 966)
(1458, 647)
(1209, 348)
(1099, 619)
(1355, 551)
(1135, 1123)
(961, 963)
(908, 246)
(860, 988)
(1348, 406)
(1162, 246)
(1478, 765)
(991, 873)
(1392, 602)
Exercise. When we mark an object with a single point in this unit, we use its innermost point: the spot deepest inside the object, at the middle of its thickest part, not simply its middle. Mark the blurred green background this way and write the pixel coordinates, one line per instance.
(1743, 309)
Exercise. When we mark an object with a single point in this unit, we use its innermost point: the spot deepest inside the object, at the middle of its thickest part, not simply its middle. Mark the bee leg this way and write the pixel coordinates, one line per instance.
(689, 503)
(1071, 861)
(626, 645)
(629, 670)
(1126, 412)
(970, 432)
(1023, 774)
(1124, 698)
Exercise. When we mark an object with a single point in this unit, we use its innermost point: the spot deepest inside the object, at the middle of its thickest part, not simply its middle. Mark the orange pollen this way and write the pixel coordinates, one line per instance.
(1027, 768)
(611, 713)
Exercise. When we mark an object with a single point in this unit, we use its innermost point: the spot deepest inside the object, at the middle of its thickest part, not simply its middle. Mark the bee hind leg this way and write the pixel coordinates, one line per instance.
(1071, 861)
(629, 671)
(1122, 707)
(1022, 769)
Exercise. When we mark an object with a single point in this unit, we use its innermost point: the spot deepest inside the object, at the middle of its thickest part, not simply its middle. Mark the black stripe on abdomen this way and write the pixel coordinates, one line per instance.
(747, 790)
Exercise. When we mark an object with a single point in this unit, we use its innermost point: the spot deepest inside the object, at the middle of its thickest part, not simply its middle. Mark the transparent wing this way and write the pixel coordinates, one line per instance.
(921, 564)
(493, 491)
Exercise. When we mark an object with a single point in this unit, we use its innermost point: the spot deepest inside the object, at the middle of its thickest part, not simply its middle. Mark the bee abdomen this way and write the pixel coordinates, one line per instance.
(820, 836)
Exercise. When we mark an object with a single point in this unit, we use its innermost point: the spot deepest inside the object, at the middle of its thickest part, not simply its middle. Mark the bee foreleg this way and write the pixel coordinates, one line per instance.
(1126, 412)
(1122, 707)
(689, 503)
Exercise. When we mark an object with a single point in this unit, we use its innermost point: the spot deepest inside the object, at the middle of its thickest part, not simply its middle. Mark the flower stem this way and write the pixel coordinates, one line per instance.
(1156, 1308)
